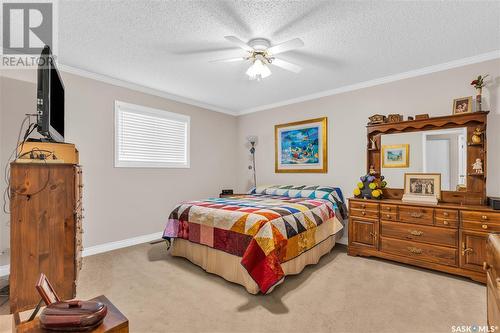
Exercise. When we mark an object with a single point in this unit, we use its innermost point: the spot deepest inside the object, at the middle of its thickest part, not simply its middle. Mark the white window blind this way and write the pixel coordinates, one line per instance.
(146, 137)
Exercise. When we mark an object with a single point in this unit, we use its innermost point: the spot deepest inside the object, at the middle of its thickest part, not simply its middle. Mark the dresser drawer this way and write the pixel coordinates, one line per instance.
(446, 214)
(480, 216)
(481, 226)
(440, 222)
(420, 233)
(388, 216)
(420, 215)
(425, 252)
(389, 209)
(370, 214)
(364, 205)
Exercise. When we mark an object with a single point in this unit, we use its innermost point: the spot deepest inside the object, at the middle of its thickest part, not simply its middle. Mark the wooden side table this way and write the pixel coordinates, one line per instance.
(114, 321)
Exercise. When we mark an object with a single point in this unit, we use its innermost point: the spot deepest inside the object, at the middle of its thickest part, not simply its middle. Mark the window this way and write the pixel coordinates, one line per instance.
(151, 138)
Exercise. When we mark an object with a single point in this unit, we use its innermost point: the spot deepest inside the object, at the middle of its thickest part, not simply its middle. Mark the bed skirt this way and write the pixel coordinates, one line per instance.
(229, 266)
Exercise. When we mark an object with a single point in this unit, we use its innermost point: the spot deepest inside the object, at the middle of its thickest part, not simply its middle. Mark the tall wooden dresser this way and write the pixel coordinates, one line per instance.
(450, 236)
(46, 227)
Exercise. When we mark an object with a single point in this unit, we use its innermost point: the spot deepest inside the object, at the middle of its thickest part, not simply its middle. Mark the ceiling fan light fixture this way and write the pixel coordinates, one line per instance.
(258, 70)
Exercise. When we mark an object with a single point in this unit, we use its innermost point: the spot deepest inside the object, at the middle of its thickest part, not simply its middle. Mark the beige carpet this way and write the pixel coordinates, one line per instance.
(160, 293)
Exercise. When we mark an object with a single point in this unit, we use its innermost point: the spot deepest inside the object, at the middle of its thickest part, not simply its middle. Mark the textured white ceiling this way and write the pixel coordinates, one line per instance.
(166, 45)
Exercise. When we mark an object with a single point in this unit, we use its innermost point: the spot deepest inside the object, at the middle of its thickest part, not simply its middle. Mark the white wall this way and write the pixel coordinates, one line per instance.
(348, 115)
(122, 203)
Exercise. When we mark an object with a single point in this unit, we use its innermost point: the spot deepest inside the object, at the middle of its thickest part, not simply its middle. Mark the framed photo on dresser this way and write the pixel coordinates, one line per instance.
(422, 187)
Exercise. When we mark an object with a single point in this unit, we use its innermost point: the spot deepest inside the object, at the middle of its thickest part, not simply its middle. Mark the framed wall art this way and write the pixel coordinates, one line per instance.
(396, 156)
(301, 146)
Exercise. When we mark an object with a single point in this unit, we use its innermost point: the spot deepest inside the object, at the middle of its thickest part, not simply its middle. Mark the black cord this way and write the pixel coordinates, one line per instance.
(29, 195)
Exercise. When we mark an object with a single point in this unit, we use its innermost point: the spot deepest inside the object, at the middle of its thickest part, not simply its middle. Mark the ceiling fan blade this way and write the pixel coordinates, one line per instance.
(229, 60)
(286, 46)
(286, 65)
(240, 43)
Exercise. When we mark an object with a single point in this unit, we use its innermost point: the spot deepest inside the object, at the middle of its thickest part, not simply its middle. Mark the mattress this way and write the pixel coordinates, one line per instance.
(264, 230)
(229, 266)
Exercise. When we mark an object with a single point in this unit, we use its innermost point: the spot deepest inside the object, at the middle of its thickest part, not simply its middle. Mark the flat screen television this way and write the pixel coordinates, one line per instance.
(50, 99)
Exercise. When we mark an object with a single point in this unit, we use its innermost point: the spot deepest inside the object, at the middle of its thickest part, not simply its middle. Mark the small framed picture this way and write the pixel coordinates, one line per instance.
(46, 290)
(462, 105)
(396, 156)
(425, 187)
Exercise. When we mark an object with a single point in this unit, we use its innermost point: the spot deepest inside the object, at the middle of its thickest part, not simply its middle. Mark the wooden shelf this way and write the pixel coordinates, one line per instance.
(475, 144)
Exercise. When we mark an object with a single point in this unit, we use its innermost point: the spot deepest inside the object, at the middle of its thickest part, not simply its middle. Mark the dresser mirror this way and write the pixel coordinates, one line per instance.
(442, 151)
(454, 146)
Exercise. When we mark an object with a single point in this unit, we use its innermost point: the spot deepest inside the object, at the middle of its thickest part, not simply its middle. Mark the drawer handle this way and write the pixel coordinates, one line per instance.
(388, 216)
(486, 266)
(416, 232)
(446, 214)
(363, 213)
(466, 250)
(416, 215)
(446, 222)
(363, 206)
(484, 217)
(484, 226)
(388, 209)
(415, 250)
(373, 234)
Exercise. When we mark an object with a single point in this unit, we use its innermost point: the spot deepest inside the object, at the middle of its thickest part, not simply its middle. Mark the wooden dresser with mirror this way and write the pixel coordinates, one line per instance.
(449, 236)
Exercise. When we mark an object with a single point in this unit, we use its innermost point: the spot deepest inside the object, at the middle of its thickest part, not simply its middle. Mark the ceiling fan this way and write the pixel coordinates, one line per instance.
(261, 54)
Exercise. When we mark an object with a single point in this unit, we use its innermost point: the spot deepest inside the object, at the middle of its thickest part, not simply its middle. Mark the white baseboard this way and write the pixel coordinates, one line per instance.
(121, 244)
(5, 270)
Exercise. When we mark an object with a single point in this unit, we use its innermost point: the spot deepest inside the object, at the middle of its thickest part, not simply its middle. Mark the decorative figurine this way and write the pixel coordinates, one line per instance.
(476, 136)
(422, 116)
(372, 170)
(369, 187)
(376, 119)
(478, 166)
(394, 118)
(373, 144)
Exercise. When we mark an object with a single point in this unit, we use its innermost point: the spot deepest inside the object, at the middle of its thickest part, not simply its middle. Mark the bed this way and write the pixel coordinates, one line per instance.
(257, 239)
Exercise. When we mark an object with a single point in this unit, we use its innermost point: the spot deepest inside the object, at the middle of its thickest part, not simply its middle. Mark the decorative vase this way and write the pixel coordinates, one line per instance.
(478, 98)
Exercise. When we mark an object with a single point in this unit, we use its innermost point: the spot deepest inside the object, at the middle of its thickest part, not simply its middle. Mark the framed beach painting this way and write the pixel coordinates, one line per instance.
(301, 146)
(395, 156)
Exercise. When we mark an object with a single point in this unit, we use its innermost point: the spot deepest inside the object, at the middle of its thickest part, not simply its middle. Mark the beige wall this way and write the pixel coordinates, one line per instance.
(121, 203)
(128, 202)
(347, 117)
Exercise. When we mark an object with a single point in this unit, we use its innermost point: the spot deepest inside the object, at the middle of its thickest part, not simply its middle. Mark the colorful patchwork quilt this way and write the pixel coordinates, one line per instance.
(265, 229)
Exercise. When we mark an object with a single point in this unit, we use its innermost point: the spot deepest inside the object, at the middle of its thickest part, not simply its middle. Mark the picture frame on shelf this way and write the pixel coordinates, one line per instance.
(462, 105)
(422, 187)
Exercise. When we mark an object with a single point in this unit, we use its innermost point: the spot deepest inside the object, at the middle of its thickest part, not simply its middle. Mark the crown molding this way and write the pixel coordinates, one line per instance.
(356, 86)
(141, 88)
(375, 82)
